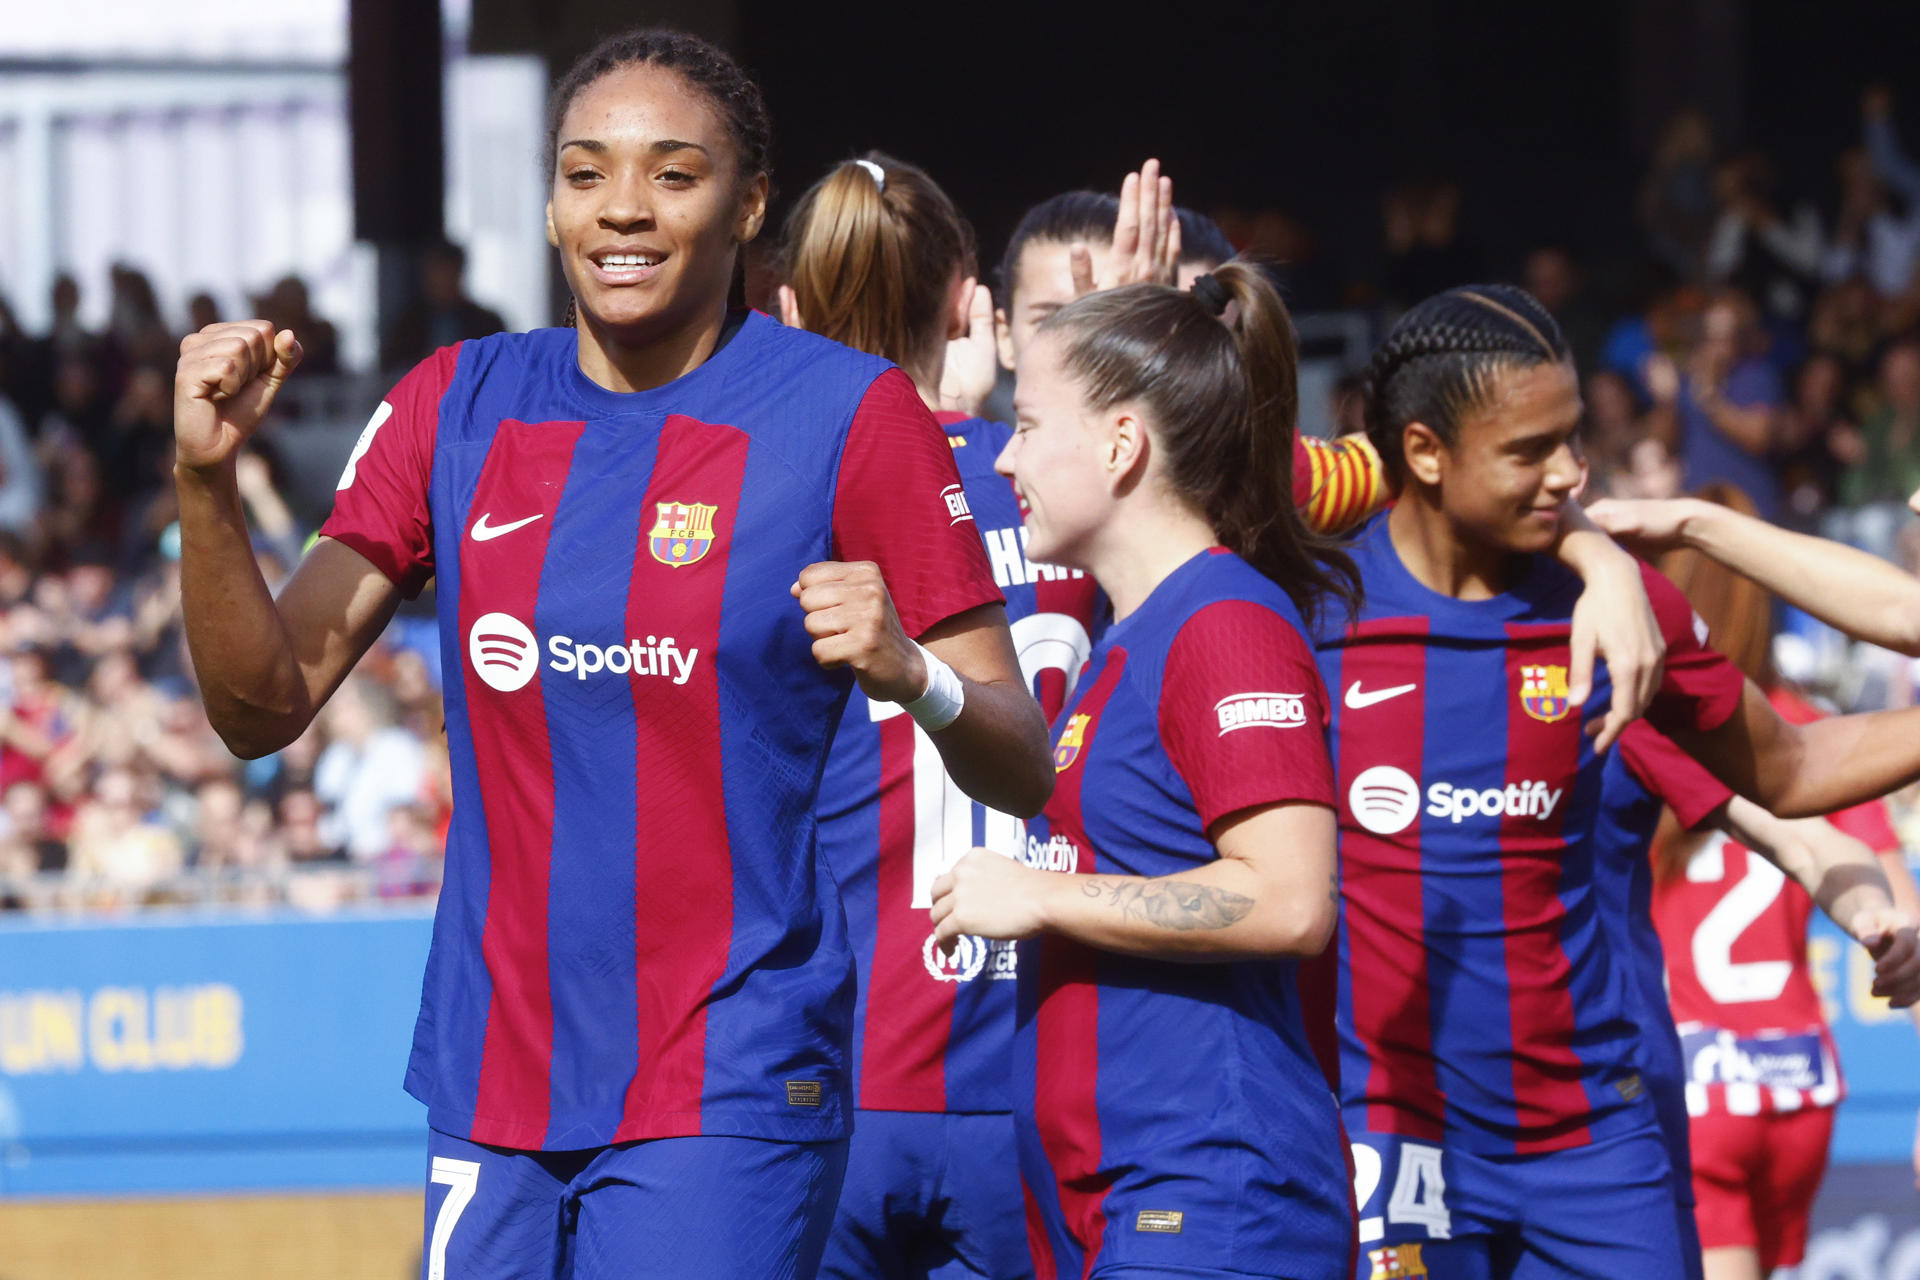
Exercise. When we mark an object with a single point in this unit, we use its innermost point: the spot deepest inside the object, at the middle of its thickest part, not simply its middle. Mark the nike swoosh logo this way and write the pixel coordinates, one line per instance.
(1359, 701)
(483, 533)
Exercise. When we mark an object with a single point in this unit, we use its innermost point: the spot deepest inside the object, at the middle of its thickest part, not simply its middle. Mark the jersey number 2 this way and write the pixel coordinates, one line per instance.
(942, 812)
(1743, 902)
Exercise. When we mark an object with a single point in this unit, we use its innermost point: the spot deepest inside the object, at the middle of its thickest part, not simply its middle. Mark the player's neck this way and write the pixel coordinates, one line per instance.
(1140, 550)
(1438, 558)
(619, 363)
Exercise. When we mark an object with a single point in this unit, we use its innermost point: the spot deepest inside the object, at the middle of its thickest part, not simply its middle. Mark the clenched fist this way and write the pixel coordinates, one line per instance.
(851, 619)
(226, 381)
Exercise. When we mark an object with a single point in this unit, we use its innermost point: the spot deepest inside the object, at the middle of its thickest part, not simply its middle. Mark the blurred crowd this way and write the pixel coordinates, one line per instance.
(114, 791)
(1771, 340)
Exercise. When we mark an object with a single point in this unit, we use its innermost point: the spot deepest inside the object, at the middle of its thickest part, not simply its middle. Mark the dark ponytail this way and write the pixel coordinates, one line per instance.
(1438, 363)
(1222, 400)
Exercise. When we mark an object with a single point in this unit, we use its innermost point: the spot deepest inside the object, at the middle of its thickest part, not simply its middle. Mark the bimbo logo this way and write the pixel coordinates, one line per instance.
(956, 499)
(1261, 710)
(503, 651)
(1384, 800)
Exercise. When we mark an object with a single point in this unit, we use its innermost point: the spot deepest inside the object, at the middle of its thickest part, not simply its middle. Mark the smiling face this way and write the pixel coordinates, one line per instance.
(1512, 466)
(1056, 458)
(1042, 284)
(648, 205)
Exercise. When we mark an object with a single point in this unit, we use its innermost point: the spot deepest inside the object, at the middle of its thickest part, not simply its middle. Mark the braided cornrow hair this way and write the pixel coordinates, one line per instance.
(1438, 362)
(704, 66)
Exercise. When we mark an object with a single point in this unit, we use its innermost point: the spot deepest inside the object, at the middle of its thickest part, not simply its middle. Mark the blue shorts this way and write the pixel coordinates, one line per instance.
(930, 1196)
(1599, 1212)
(667, 1209)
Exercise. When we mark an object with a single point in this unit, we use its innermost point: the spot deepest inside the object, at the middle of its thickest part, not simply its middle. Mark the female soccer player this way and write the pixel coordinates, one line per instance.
(877, 257)
(1171, 1117)
(1763, 1076)
(666, 541)
(1488, 1063)
(1073, 243)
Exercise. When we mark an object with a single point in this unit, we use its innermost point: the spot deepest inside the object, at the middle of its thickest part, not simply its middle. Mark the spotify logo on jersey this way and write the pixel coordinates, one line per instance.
(503, 651)
(1384, 800)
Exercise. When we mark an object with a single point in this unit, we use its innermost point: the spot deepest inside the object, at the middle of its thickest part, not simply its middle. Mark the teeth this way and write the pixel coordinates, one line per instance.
(627, 260)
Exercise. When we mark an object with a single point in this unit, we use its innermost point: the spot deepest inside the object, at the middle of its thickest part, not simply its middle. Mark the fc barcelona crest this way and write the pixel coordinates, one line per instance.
(1401, 1263)
(1067, 750)
(1543, 692)
(683, 532)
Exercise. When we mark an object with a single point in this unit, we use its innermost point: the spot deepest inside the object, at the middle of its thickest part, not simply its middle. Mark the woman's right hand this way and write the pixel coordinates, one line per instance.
(226, 380)
(1146, 237)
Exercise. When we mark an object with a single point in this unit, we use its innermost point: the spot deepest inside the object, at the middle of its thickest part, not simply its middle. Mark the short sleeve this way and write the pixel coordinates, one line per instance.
(1243, 713)
(1700, 689)
(1682, 783)
(1337, 484)
(899, 503)
(380, 505)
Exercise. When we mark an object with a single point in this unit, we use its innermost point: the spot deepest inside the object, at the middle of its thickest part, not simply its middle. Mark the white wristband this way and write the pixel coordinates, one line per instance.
(940, 705)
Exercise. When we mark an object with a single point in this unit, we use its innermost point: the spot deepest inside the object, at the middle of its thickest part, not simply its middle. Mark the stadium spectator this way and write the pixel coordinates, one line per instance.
(1425, 250)
(1551, 275)
(1871, 238)
(1818, 438)
(289, 306)
(120, 851)
(1775, 258)
(1720, 412)
(1887, 465)
(440, 314)
(1676, 204)
(370, 767)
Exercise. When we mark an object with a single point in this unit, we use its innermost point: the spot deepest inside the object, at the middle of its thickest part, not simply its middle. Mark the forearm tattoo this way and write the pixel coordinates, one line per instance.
(1171, 904)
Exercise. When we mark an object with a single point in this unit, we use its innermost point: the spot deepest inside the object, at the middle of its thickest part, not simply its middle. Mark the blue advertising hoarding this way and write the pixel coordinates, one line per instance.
(209, 1052)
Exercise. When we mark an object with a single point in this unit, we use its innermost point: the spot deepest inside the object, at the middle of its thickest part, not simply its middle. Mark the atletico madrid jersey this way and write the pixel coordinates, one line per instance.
(636, 937)
(1173, 1114)
(1479, 1003)
(1752, 1032)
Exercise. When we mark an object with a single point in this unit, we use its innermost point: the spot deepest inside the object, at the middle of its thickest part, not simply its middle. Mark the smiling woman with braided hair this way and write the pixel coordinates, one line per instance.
(668, 539)
(1490, 1061)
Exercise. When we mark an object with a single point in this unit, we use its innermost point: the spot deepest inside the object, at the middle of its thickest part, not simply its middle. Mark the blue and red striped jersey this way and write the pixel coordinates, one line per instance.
(1175, 1114)
(1479, 1003)
(636, 937)
(931, 1032)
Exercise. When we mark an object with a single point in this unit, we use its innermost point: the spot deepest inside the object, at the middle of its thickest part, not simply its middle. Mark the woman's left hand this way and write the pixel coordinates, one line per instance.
(1889, 937)
(1613, 619)
(851, 619)
(973, 359)
(987, 895)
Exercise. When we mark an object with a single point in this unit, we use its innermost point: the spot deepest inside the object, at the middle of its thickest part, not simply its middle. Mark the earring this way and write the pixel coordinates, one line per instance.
(569, 316)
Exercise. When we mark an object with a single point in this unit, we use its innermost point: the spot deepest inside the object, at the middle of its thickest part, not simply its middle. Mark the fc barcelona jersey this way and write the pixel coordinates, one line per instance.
(636, 937)
(1175, 1114)
(931, 1032)
(1480, 1004)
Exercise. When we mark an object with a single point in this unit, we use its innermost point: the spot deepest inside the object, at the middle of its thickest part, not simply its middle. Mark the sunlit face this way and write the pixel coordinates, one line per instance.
(648, 205)
(1056, 458)
(1513, 466)
(1042, 284)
